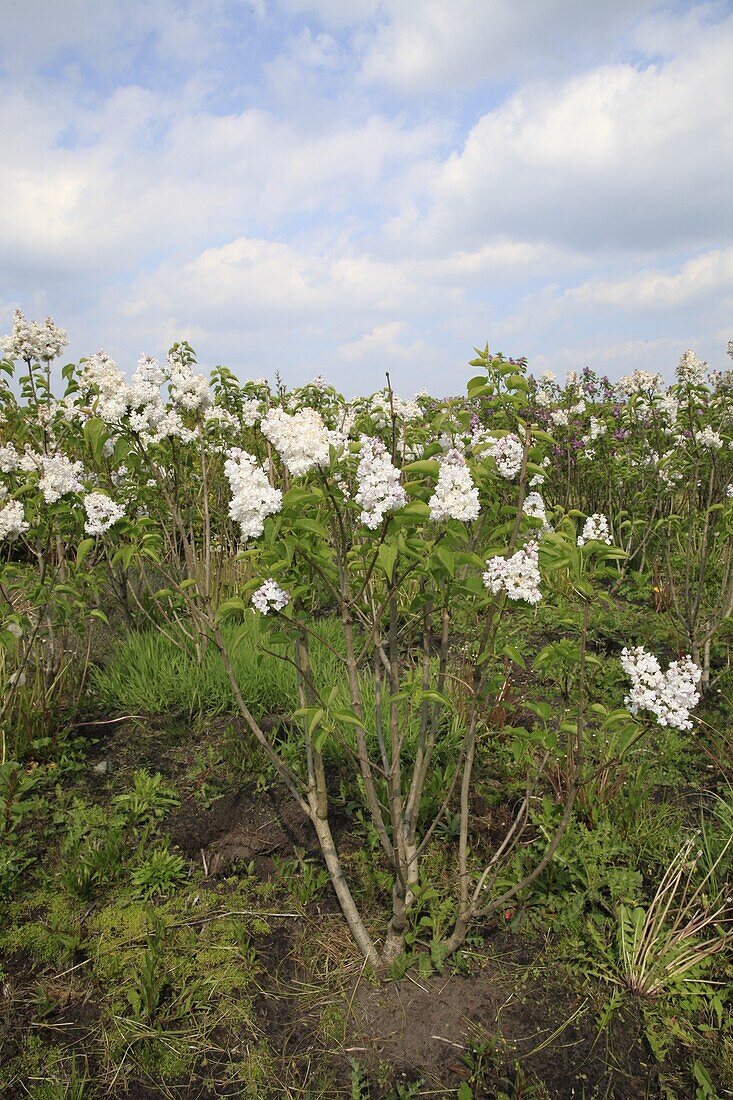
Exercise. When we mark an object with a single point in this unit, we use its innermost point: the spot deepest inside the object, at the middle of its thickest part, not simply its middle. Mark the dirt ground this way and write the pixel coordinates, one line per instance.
(511, 1019)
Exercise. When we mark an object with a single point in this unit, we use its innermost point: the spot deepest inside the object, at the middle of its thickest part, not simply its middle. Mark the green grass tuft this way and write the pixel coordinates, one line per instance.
(150, 674)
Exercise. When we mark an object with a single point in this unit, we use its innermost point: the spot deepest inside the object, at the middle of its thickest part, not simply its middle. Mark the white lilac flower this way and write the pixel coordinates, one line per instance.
(669, 407)
(59, 476)
(729, 490)
(596, 430)
(100, 372)
(102, 513)
(12, 520)
(507, 454)
(455, 496)
(29, 461)
(143, 397)
(691, 370)
(709, 438)
(448, 442)
(342, 484)
(669, 695)
(169, 426)
(518, 576)
(641, 381)
(378, 479)
(221, 417)
(253, 498)
(270, 597)
(34, 341)
(9, 459)
(118, 475)
(596, 530)
(70, 410)
(534, 506)
(302, 439)
(382, 405)
(251, 412)
(559, 418)
(188, 390)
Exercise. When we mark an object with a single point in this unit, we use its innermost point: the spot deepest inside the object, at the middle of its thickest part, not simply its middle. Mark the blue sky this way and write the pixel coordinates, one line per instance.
(343, 187)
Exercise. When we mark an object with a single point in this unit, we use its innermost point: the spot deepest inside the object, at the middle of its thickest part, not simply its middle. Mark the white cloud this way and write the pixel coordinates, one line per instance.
(617, 158)
(380, 338)
(700, 280)
(304, 184)
(436, 47)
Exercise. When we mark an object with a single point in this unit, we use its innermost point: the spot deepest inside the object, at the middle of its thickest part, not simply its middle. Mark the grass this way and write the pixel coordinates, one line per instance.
(129, 963)
(150, 674)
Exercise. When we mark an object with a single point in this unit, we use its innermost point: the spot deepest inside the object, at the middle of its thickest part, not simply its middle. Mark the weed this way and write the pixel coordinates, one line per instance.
(158, 874)
(667, 946)
(149, 800)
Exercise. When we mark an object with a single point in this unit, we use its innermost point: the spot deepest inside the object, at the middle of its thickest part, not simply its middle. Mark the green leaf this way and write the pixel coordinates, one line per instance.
(95, 433)
(423, 466)
(311, 525)
(445, 556)
(416, 510)
(513, 654)
(83, 549)
(542, 710)
(517, 382)
(387, 556)
(230, 607)
(474, 585)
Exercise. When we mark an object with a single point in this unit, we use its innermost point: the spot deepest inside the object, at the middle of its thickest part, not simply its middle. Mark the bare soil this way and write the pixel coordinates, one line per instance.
(512, 1008)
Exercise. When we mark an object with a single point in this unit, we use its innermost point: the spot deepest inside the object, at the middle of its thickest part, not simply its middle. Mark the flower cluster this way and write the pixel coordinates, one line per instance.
(534, 507)
(302, 439)
(378, 479)
(641, 381)
(102, 513)
(595, 431)
(188, 390)
(596, 529)
(669, 695)
(518, 576)
(100, 373)
(455, 496)
(12, 520)
(270, 597)
(383, 403)
(59, 476)
(507, 454)
(251, 412)
(9, 459)
(709, 438)
(691, 370)
(253, 498)
(32, 341)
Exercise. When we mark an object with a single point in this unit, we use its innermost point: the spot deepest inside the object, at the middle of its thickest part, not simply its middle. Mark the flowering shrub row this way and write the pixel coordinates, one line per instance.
(191, 500)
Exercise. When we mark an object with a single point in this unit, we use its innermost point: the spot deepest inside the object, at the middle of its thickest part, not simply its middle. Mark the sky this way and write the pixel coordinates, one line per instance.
(344, 188)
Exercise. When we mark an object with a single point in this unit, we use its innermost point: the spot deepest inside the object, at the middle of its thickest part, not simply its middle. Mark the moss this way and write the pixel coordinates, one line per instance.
(38, 1061)
(48, 926)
